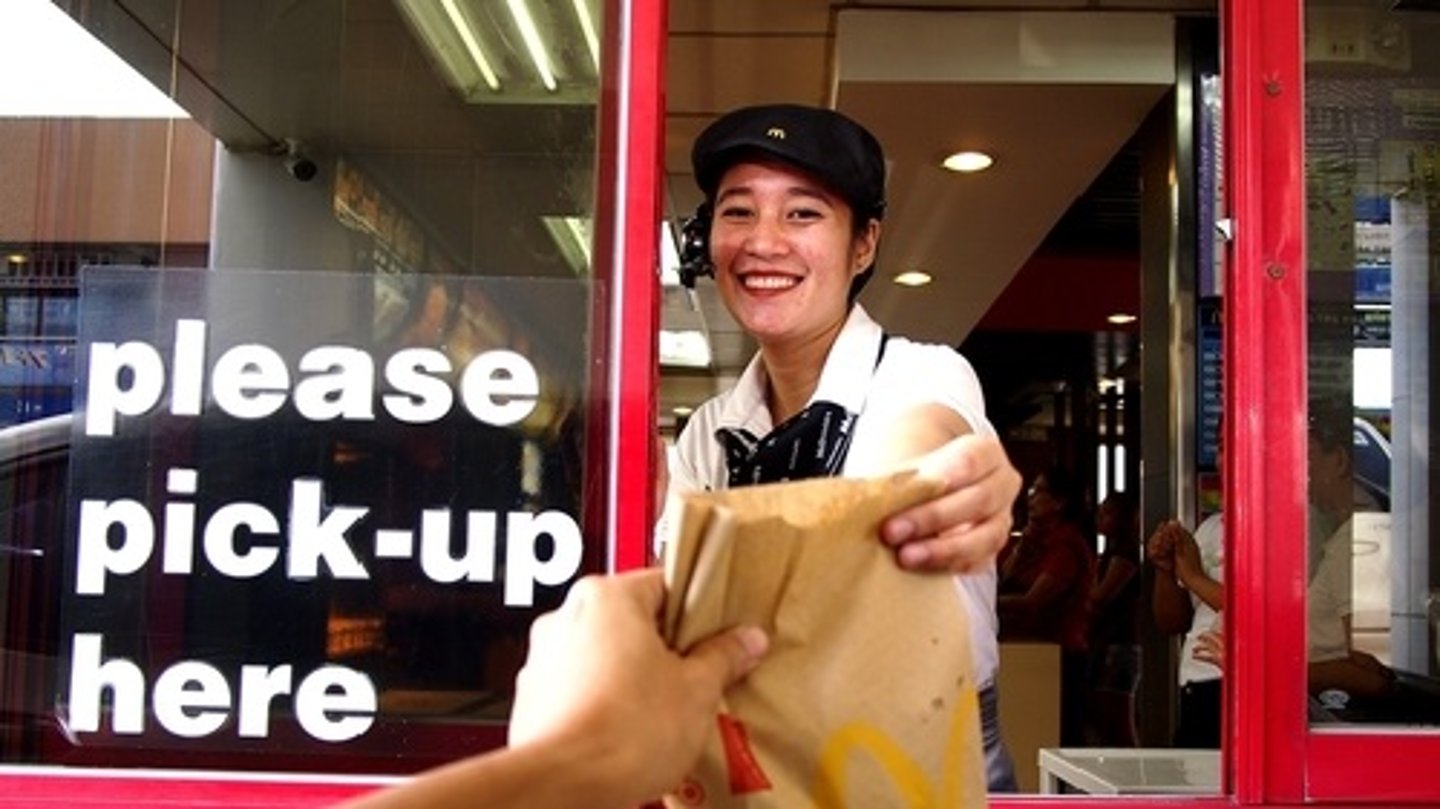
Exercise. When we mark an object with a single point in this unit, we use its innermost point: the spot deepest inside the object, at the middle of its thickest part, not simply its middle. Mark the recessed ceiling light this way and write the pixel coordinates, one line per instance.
(17, 258)
(913, 278)
(1121, 318)
(682, 410)
(968, 161)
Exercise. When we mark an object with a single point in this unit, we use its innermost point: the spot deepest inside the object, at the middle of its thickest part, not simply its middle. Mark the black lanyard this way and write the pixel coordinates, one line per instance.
(810, 444)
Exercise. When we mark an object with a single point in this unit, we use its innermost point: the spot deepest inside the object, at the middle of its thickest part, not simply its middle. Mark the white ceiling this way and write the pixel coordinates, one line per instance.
(1053, 89)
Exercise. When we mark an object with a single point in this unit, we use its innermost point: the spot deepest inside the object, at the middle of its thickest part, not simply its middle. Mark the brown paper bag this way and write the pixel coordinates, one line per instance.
(866, 698)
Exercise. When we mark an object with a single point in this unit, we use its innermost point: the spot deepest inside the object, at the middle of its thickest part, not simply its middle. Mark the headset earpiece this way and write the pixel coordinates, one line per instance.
(695, 247)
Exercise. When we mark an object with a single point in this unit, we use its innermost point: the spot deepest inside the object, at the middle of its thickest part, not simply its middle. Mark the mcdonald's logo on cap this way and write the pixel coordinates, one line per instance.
(778, 133)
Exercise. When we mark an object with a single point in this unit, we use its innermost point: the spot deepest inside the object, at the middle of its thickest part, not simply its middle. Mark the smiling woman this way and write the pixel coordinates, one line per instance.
(797, 195)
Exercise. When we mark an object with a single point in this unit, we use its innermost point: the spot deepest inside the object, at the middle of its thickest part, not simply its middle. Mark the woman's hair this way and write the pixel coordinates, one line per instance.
(1125, 509)
(1065, 488)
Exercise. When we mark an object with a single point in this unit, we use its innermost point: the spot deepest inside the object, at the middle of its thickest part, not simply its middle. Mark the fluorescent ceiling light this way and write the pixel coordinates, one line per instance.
(571, 235)
(511, 51)
(57, 69)
(669, 256)
(1121, 318)
(913, 278)
(686, 349)
(968, 161)
(533, 43)
(587, 28)
(472, 45)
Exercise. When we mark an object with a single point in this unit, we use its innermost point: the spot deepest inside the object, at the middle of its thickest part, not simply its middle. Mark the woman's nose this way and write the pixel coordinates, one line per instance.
(765, 236)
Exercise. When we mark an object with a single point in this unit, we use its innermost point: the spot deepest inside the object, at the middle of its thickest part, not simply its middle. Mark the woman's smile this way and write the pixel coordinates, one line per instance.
(768, 282)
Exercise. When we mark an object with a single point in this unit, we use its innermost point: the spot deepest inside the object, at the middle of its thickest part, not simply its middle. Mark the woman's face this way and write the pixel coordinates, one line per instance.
(785, 252)
(1041, 503)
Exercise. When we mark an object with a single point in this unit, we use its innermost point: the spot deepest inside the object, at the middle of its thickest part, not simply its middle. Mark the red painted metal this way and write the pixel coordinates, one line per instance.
(626, 373)
(1273, 759)
(1363, 765)
(1382, 770)
(1265, 387)
(637, 308)
(115, 789)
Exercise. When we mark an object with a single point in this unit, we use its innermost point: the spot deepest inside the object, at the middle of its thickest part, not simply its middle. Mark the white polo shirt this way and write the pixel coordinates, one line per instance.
(909, 375)
(1210, 539)
(1328, 597)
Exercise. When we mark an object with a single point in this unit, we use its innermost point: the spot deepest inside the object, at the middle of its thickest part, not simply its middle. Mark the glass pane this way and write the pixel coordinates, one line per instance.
(1372, 126)
(294, 378)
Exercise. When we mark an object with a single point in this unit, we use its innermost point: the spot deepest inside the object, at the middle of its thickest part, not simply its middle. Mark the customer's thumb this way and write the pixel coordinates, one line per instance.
(726, 657)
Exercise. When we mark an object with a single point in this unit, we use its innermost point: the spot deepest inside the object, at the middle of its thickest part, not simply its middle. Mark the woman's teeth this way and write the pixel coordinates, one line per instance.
(769, 281)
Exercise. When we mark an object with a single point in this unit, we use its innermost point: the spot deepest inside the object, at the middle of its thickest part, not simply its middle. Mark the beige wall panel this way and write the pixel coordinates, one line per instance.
(750, 16)
(711, 76)
(19, 178)
(105, 181)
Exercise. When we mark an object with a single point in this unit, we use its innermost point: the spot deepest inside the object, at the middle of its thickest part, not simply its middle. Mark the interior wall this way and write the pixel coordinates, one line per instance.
(272, 220)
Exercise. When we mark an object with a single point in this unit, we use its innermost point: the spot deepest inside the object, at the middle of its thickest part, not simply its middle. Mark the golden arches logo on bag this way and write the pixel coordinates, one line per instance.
(913, 787)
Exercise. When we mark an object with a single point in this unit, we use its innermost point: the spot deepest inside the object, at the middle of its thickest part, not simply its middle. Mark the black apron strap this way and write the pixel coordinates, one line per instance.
(811, 444)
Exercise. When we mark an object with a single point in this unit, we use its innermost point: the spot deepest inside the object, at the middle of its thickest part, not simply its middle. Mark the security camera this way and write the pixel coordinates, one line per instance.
(297, 164)
(301, 168)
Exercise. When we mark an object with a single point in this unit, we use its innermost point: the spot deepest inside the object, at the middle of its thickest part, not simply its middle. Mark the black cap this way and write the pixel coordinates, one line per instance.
(837, 151)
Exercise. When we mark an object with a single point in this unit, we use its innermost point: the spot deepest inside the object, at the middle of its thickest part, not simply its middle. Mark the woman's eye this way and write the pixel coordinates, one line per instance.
(805, 214)
(734, 212)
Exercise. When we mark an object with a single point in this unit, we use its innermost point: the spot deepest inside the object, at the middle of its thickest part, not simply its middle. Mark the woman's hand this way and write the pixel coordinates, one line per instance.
(963, 528)
(1210, 648)
(1160, 547)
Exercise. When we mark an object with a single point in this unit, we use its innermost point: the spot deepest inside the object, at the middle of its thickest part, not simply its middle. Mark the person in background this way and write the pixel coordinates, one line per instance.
(1340, 676)
(1345, 684)
(1044, 590)
(1046, 573)
(1114, 630)
(605, 715)
(1187, 597)
(790, 229)
(1210, 648)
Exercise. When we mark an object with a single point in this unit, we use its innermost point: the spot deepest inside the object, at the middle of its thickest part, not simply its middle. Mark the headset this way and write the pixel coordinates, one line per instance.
(695, 247)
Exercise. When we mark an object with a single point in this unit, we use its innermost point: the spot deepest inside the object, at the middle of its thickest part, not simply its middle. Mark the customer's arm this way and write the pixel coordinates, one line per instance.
(605, 715)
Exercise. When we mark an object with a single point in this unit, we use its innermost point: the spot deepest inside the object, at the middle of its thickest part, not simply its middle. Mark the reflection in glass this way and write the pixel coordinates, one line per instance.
(323, 137)
(1373, 216)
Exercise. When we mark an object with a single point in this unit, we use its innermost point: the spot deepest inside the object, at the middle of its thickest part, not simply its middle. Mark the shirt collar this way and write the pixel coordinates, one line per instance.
(844, 380)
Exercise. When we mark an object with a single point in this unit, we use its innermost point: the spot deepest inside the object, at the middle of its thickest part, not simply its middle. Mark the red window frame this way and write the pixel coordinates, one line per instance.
(1271, 758)
(1274, 755)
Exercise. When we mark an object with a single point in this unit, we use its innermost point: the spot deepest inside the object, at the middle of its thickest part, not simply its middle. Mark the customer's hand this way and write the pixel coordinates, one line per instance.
(970, 521)
(599, 678)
